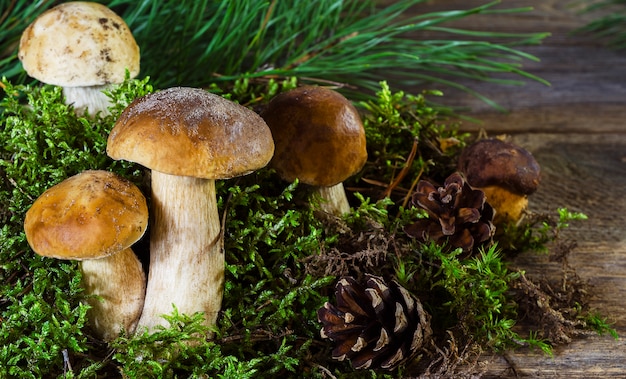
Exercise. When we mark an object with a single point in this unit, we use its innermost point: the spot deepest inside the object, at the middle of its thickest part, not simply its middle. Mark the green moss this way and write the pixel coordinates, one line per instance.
(44, 142)
(41, 318)
(477, 292)
(408, 138)
(282, 256)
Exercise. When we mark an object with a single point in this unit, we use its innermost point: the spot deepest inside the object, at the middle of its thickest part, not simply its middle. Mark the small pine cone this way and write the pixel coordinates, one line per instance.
(376, 325)
(457, 214)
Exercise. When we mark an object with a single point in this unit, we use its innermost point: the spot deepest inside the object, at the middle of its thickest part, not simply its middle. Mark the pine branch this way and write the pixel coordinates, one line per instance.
(352, 43)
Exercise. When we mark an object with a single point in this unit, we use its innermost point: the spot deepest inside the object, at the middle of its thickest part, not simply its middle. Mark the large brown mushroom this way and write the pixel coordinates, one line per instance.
(507, 173)
(319, 140)
(189, 138)
(94, 217)
(82, 47)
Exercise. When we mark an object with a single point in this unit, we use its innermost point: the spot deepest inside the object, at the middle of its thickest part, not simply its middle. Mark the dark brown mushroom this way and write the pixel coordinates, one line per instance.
(507, 173)
(319, 139)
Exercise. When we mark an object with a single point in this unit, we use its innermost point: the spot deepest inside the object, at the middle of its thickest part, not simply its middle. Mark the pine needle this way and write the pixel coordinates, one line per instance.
(610, 23)
(352, 43)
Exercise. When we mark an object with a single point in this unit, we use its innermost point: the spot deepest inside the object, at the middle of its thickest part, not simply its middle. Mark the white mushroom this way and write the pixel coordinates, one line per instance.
(82, 47)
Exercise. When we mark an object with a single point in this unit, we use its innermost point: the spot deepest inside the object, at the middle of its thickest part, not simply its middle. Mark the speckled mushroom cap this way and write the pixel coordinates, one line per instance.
(493, 162)
(90, 215)
(318, 134)
(79, 44)
(191, 132)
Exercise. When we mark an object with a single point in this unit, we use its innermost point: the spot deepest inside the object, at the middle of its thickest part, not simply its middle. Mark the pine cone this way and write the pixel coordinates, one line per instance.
(457, 214)
(376, 325)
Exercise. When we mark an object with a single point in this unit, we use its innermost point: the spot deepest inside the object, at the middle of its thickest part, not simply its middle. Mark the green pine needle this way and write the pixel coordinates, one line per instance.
(352, 43)
(609, 24)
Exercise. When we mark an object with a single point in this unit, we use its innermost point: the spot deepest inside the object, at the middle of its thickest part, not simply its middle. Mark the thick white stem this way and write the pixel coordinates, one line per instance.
(90, 99)
(119, 284)
(186, 256)
(334, 200)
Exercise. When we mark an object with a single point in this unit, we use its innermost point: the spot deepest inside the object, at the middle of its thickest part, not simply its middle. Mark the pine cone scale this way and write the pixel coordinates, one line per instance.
(383, 340)
(348, 298)
(335, 322)
(375, 298)
(418, 339)
(447, 224)
(401, 321)
(471, 215)
(395, 359)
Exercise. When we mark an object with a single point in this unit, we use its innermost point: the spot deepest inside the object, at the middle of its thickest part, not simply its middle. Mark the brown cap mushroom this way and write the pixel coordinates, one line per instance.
(320, 140)
(188, 137)
(507, 174)
(82, 47)
(94, 217)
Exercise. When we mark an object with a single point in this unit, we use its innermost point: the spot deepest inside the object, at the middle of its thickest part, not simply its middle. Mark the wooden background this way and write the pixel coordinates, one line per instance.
(576, 130)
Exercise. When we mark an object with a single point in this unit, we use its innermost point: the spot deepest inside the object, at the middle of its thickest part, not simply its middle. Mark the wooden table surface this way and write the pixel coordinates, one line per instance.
(576, 129)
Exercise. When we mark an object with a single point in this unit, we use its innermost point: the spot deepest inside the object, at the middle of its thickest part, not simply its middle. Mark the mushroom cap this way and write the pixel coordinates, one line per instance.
(90, 215)
(191, 132)
(78, 44)
(319, 136)
(493, 162)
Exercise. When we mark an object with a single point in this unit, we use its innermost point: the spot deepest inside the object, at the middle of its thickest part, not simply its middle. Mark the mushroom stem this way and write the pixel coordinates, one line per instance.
(186, 256)
(334, 199)
(116, 287)
(509, 206)
(91, 99)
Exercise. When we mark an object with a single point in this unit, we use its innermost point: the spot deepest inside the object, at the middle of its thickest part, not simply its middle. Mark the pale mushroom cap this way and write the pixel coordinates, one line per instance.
(191, 132)
(319, 136)
(90, 215)
(79, 44)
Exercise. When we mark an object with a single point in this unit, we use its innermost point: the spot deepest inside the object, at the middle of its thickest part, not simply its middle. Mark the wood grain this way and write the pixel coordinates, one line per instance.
(587, 91)
(575, 128)
(585, 173)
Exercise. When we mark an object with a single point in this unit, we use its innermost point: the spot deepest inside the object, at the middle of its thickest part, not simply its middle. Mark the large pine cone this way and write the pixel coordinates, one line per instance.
(457, 215)
(376, 325)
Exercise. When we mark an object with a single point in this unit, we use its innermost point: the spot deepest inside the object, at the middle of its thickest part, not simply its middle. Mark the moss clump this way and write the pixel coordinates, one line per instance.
(283, 256)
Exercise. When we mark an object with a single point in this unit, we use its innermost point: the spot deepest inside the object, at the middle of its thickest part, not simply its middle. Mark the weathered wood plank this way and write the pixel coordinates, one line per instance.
(576, 130)
(587, 91)
(605, 359)
(585, 173)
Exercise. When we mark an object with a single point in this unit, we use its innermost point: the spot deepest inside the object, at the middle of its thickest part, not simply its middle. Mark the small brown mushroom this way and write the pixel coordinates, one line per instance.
(320, 140)
(82, 47)
(94, 217)
(189, 138)
(507, 173)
